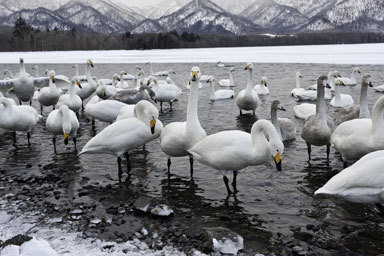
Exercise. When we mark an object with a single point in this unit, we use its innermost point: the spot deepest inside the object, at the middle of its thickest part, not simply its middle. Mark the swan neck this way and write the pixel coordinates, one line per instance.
(258, 134)
(337, 95)
(297, 82)
(22, 68)
(275, 121)
(72, 89)
(364, 110)
(6, 103)
(353, 76)
(192, 117)
(250, 80)
(231, 78)
(151, 69)
(212, 90)
(377, 116)
(66, 119)
(320, 105)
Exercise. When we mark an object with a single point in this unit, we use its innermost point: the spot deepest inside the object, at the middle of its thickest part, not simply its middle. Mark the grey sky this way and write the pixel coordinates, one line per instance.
(140, 3)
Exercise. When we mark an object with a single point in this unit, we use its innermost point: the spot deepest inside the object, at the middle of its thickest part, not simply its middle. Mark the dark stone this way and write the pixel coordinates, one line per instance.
(303, 236)
(16, 240)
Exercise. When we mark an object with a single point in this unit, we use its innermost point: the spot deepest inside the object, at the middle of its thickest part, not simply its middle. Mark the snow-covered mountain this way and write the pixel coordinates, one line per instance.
(198, 16)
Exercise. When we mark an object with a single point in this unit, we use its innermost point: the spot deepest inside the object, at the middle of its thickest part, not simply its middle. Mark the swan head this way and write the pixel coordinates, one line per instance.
(323, 81)
(367, 80)
(210, 79)
(232, 70)
(276, 105)
(35, 67)
(76, 81)
(336, 74)
(249, 66)
(264, 81)
(75, 66)
(90, 63)
(52, 74)
(152, 124)
(298, 75)
(195, 73)
(357, 70)
(339, 82)
(21, 60)
(151, 79)
(116, 77)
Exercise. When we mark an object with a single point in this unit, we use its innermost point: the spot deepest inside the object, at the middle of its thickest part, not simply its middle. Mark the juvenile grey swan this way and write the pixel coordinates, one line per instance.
(318, 128)
(285, 128)
(132, 96)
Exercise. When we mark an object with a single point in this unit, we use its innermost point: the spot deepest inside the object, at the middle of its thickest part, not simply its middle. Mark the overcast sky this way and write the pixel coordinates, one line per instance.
(140, 2)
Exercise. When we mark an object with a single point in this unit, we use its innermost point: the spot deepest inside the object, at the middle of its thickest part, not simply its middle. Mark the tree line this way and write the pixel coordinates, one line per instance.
(22, 37)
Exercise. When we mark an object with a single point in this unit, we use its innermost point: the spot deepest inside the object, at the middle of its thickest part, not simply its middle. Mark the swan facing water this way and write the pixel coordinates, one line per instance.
(234, 150)
(248, 99)
(71, 99)
(219, 94)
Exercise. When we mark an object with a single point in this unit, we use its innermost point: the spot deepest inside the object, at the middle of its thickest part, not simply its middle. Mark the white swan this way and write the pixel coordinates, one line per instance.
(17, 118)
(106, 91)
(340, 100)
(355, 138)
(11, 100)
(124, 135)
(159, 73)
(304, 110)
(177, 137)
(363, 182)
(228, 82)
(105, 110)
(90, 86)
(379, 88)
(352, 80)
(220, 64)
(81, 78)
(49, 96)
(262, 87)
(188, 86)
(361, 111)
(247, 99)
(10, 74)
(234, 150)
(71, 99)
(122, 84)
(62, 121)
(311, 95)
(204, 78)
(24, 85)
(298, 89)
(318, 128)
(165, 91)
(128, 111)
(285, 128)
(219, 94)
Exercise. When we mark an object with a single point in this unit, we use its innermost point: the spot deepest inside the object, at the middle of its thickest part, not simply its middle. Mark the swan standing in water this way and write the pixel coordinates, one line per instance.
(105, 110)
(17, 118)
(285, 128)
(49, 96)
(62, 121)
(106, 91)
(304, 110)
(219, 94)
(262, 88)
(247, 99)
(352, 80)
(87, 88)
(71, 99)
(361, 111)
(363, 182)
(165, 91)
(318, 128)
(177, 137)
(234, 150)
(228, 82)
(298, 89)
(358, 137)
(340, 100)
(124, 135)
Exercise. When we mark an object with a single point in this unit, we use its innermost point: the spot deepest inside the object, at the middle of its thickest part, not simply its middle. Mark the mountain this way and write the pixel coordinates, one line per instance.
(234, 6)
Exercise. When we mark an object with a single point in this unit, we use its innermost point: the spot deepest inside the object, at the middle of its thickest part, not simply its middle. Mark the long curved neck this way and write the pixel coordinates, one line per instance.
(212, 90)
(337, 94)
(364, 110)
(72, 89)
(250, 81)
(22, 69)
(193, 98)
(6, 103)
(275, 121)
(297, 81)
(77, 70)
(231, 78)
(320, 106)
(88, 73)
(37, 71)
(258, 131)
(377, 117)
(114, 81)
(150, 64)
(353, 75)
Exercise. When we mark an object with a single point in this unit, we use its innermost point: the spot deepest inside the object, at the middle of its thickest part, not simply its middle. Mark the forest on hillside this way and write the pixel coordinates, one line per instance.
(23, 37)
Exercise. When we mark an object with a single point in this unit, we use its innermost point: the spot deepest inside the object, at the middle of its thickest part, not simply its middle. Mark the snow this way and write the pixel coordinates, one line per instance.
(335, 54)
(34, 247)
(227, 246)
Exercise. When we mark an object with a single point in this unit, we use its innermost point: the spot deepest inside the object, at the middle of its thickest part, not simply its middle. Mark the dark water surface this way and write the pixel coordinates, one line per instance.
(273, 210)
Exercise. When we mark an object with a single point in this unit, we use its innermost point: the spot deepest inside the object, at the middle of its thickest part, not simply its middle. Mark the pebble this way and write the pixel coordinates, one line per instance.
(121, 210)
(77, 211)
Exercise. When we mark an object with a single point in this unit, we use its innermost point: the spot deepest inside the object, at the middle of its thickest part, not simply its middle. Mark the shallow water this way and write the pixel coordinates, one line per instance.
(271, 206)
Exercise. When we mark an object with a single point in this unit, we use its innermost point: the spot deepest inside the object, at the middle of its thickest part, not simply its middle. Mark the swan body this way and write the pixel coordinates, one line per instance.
(358, 137)
(122, 84)
(318, 128)
(159, 73)
(11, 100)
(304, 110)
(311, 94)
(298, 89)
(352, 79)
(90, 87)
(379, 88)
(262, 88)
(71, 99)
(132, 96)
(228, 82)
(105, 91)
(234, 150)
(49, 96)
(220, 64)
(340, 100)
(62, 121)
(177, 137)
(105, 110)
(128, 111)
(362, 182)
(165, 92)
(285, 128)
(361, 111)
(247, 99)
(219, 94)
(124, 135)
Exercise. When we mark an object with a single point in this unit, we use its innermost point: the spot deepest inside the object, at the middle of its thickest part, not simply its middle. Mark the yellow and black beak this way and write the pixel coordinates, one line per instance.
(328, 86)
(53, 79)
(265, 83)
(118, 78)
(195, 74)
(338, 75)
(66, 137)
(370, 84)
(341, 83)
(149, 82)
(247, 67)
(105, 93)
(91, 63)
(78, 84)
(21, 60)
(277, 159)
(209, 80)
(152, 125)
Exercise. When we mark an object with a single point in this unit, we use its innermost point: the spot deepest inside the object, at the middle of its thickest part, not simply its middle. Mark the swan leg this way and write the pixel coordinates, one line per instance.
(161, 107)
(170, 104)
(53, 107)
(226, 184)
(93, 121)
(128, 163)
(169, 167)
(14, 138)
(20, 103)
(254, 112)
(30, 103)
(41, 109)
(119, 168)
(328, 151)
(74, 142)
(82, 106)
(191, 165)
(144, 147)
(345, 164)
(241, 113)
(380, 207)
(309, 151)
(54, 144)
(234, 182)
(28, 138)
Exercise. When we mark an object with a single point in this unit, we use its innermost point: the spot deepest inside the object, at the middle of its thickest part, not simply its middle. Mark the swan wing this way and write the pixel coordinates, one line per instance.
(6, 85)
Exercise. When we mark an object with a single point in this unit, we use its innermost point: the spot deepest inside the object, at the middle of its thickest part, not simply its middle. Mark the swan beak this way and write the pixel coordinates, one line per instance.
(328, 86)
(209, 80)
(91, 63)
(118, 78)
(105, 93)
(265, 83)
(21, 60)
(66, 136)
(277, 159)
(149, 82)
(338, 75)
(195, 74)
(246, 67)
(370, 84)
(282, 108)
(300, 76)
(78, 84)
(152, 124)
(53, 79)
(341, 83)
